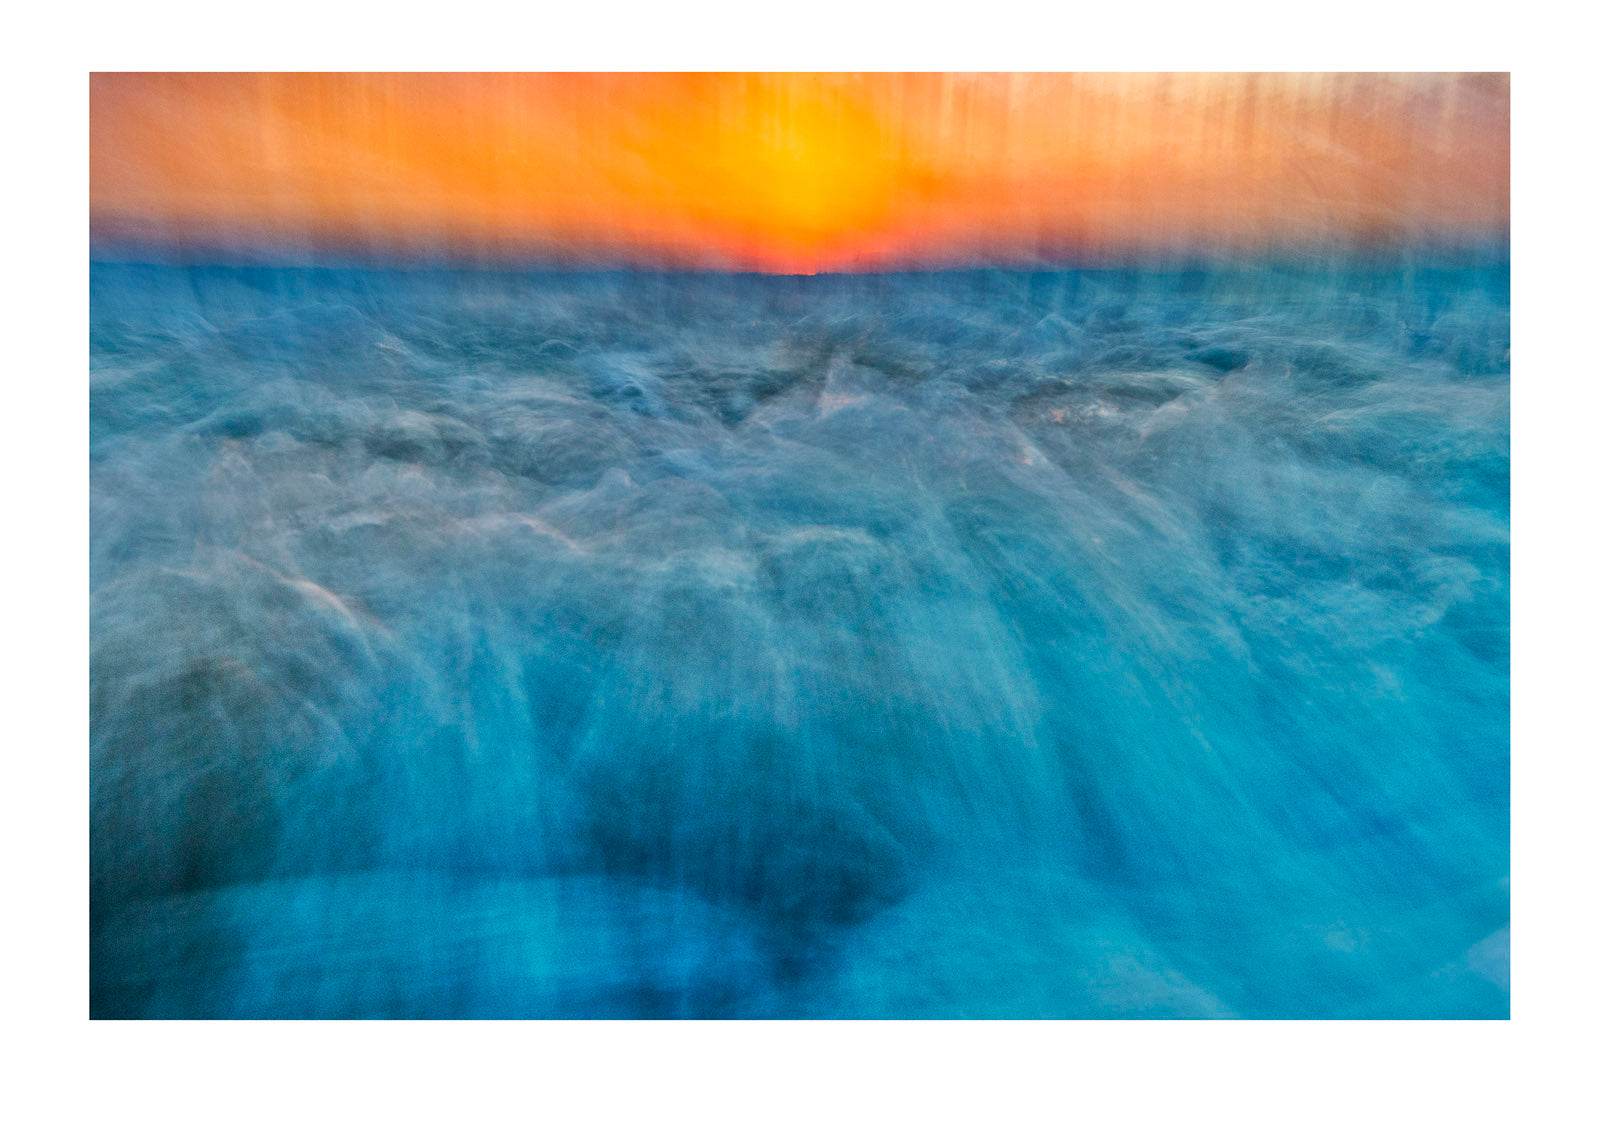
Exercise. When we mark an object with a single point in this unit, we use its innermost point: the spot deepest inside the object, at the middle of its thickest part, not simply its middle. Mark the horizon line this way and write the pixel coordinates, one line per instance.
(1494, 251)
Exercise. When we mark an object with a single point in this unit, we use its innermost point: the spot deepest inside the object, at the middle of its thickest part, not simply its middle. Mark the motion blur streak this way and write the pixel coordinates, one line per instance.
(992, 644)
(790, 173)
(799, 546)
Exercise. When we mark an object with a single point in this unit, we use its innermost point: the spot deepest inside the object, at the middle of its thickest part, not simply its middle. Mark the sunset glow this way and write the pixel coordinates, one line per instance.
(790, 173)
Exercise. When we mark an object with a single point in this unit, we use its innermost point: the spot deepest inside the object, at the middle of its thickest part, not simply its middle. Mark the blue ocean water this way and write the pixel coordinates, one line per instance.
(970, 644)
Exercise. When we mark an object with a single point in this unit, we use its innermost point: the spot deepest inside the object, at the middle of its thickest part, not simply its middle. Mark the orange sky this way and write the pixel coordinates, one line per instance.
(789, 172)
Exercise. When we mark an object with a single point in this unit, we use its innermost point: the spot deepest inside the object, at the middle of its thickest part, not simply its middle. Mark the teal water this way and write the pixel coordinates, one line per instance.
(1077, 644)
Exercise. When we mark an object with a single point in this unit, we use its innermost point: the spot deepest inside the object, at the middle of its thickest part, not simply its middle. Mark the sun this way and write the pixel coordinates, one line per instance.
(806, 172)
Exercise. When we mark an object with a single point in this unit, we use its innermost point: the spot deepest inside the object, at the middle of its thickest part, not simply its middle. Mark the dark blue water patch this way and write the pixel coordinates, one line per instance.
(1077, 644)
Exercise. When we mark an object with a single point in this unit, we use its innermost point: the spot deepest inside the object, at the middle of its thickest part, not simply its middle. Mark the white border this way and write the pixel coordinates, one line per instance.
(1526, 1072)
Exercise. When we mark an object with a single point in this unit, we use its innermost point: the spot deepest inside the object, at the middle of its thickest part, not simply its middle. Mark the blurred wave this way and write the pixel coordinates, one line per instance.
(1075, 644)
